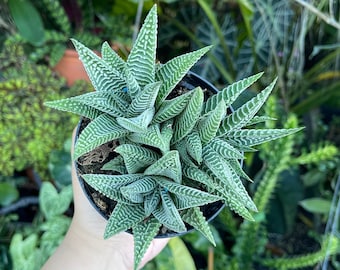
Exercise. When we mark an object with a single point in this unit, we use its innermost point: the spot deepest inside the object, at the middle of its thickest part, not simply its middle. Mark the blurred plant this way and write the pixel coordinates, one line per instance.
(33, 245)
(28, 130)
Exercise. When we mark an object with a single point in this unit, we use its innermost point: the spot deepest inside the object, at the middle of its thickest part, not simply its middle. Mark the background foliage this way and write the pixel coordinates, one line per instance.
(296, 180)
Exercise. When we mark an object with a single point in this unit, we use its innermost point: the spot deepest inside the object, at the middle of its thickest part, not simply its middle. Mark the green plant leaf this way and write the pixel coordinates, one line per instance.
(8, 193)
(139, 123)
(224, 149)
(316, 205)
(151, 202)
(195, 218)
(99, 131)
(112, 58)
(193, 145)
(188, 118)
(245, 113)
(174, 70)
(136, 190)
(122, 218)
(102, 76)
(116, 165)
(196, 174)
(136, 157)
(53, 203)
(230, 93)
(143, 234)
(168, 165)
(142, 58)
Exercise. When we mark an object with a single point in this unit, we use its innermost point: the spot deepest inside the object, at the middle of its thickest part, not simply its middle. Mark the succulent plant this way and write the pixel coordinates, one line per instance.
(173, 153)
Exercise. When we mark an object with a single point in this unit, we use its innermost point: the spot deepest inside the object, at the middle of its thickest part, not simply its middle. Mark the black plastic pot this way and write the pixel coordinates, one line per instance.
(210, 211)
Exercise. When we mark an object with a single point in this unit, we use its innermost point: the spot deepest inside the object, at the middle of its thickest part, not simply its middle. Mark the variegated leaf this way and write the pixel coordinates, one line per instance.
(172, 72)
(251, 137)
(238, 146)
(132, 86)
(139, 123)
(193, 144)
(260, 119)
(166, 134)
(187, 197)
(143, 233)
(102, 76)
(208, 126)
(198, 175)
(141, 186)
(230, 93)
(136, 157)
(142, 58)
(144, 100)
(123, 218)
(171, 108)
(195, 218)
(236, 166)
(112, 58)
(183, 153)
(116, 165)
(168, 165)
(99, 131)
(186, 121)
(168, 215)
(245, 113)
(74, 105)
(151, 202)
(152, 137)
(224, 149)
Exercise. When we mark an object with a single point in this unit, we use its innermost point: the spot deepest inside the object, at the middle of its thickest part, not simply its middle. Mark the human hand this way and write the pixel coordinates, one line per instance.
(84, 246)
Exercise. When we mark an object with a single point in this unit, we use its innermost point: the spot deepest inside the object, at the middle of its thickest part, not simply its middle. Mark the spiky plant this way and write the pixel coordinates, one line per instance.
(172, 155)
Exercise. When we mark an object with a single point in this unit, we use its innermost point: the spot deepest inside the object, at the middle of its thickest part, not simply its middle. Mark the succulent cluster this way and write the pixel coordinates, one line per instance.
(174, 154)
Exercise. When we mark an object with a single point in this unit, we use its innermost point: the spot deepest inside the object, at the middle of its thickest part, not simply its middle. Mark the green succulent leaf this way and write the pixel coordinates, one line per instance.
(171, 108)
(142, 58)
(102, 76)
(151, 202)
(144, 100)
(112, 58)
(230, 93)
(198, 175)
(166, 134)
(143, 233)
(168, 165)
(208, 126)
(74, 105)
(139, 123)
(136, 157)
(116, 165)
(172, 72)
(224, 149)
(251, 137)
(122, 218)
(132, 86)
(99, 131)
(195, 218)
(260, 119)
(185, 158)
(186, 121)
(187, 197)
(245, 113)
(168, 215)
(141, 186)
(193, 145)
(152, 137)
(236, 166)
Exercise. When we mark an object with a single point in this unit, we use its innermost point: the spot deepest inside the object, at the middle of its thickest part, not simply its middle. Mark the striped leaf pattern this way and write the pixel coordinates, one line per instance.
(144, 99)
(198, 175)
(151, 202)
(128, 216)
(102, 76)
(246, 112)
(143, 233)
(208, 126)
(251, 137)
(101, 130)
(195, 218)
(168, 165)
(139, 123)
(171, 108)
(112, 58)
(174, 70)
(74, 105)
(224, 149)
(230, 93)
(193, 145)
(136, 157)
(188, 118)
(132, 86)
(115, 165)
(142, 58)
(141, 186)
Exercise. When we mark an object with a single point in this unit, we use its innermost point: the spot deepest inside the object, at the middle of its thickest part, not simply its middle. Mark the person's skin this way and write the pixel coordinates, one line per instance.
(84, 247)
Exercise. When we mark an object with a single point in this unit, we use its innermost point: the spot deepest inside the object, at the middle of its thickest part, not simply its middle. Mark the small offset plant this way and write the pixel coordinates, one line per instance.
(171, 151)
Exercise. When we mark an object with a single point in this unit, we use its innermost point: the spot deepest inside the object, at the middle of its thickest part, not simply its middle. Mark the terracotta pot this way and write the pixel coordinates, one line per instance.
(71, 68)
(104, 206)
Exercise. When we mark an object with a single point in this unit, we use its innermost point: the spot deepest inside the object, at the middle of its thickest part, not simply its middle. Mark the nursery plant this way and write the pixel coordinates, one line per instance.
(152, 151)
